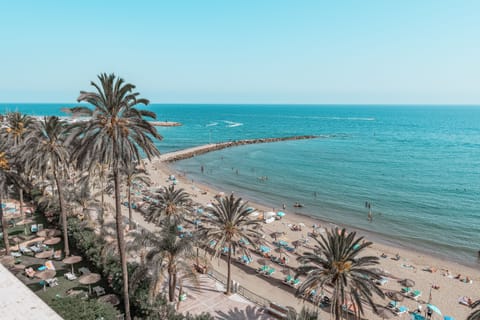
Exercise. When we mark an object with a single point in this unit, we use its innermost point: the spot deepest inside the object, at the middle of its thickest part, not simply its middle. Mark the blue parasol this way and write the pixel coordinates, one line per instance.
(434, 309)
(280, 213)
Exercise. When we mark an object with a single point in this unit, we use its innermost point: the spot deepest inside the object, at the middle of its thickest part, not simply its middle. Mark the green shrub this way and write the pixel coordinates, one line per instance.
(78, 309)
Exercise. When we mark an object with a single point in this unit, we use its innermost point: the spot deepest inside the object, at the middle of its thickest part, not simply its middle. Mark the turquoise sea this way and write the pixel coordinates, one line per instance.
(418, 166)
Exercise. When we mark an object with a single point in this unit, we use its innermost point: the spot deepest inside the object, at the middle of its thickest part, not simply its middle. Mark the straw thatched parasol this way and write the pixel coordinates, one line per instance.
(72, 260)
(44, 275)
(7, 260)
(385, 313)
(110, 298)
(19, 267)
(49, 233)
(89, 279)
(52, 241)
(409, 283)
(35, 240)
(44, 254)
(25, 221)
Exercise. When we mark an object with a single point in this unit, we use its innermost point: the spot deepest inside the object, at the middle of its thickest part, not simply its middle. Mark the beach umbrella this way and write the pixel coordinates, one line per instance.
(281, 214)
(264, 249)
(44, 275)
(276, 234)
(417, 316)
(434, 309)
(110, 298)
(37, 239)
(385, 313)
(52, 241)
(44, 254)
(7, 260)
(72, 260)
(89, 279)
(263, 261)
(448, 318)
(407, 283)
(395, 295)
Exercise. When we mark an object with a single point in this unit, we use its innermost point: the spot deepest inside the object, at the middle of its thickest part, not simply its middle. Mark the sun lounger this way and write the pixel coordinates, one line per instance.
(25, 250)
(401, 310)
(406, 290)
(52, 282)
(466, 301)
(57, 255)
(84, 270)
(288, 279)
(296, 282)
(99, 291)
(416, 294)
(263, 269)
(270, 271)
(15, 254)
(70, 276)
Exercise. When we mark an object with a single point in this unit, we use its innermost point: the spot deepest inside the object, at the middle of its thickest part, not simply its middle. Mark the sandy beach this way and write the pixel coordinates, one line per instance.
(425, 270)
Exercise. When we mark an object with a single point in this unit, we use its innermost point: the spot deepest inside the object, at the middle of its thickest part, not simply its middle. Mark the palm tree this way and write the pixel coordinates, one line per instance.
(173, 204)
(166, 252)
(133, 175)
(4, 167)
(475, 315)
(115, 135)
(335, 262)
(44, 151)
(229, 223)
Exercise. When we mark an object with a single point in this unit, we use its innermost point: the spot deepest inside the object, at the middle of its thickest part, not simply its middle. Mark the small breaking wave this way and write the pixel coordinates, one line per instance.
(231, 124)
(211, 124)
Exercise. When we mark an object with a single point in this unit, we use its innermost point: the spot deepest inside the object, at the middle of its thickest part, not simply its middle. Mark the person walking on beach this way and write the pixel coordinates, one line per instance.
(202, 169)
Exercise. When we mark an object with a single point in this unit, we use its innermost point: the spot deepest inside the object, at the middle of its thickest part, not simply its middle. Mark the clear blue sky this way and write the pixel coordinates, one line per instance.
(244, 51)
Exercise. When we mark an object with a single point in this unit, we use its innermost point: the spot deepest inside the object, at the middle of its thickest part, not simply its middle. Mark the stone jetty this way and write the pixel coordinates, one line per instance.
(192, 152)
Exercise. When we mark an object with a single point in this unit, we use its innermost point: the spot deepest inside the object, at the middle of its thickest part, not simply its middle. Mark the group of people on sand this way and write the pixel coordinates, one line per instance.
(295, 227)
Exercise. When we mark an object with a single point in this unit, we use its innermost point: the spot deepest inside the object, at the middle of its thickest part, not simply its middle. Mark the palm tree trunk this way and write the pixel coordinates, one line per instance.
(102, 214)
(63, 213)
(129, 197)
(229, 272)
(120, 236)
(20, 193)
(4, 228)
(171, 286)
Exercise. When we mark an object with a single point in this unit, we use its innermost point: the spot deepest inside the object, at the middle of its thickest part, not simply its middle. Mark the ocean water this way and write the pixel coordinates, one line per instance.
(418, 166)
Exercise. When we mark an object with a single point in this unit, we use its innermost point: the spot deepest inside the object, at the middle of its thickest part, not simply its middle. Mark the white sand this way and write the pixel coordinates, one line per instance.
(445, 298)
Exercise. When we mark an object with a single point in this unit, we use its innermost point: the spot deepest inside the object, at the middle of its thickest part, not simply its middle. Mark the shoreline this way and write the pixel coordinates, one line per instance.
(390, 245)
(171, 157)
(411, 264)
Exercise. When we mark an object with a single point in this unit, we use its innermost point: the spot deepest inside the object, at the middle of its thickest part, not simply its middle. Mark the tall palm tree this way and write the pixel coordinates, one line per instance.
(44, 151)
(115, 134)
(132, 176)
(173, 204)
(336, 262)
(229, 223)
(13, 136)
(173, 254)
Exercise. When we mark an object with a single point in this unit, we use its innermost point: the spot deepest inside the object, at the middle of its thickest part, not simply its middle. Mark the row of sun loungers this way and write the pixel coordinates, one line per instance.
(266, 270)
(292, 281)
